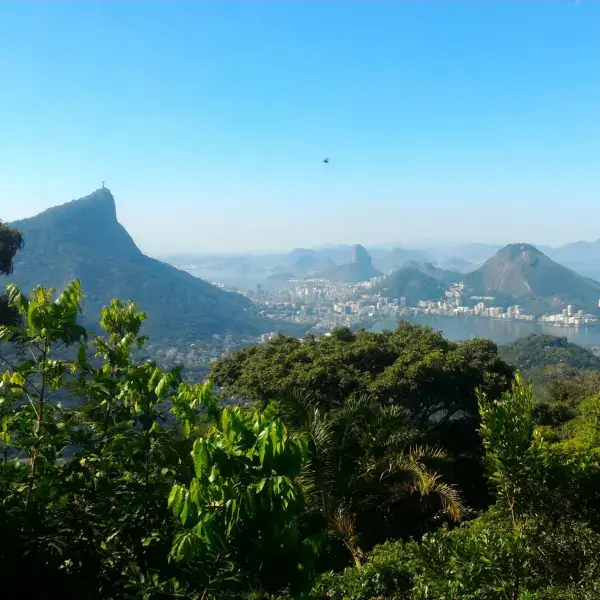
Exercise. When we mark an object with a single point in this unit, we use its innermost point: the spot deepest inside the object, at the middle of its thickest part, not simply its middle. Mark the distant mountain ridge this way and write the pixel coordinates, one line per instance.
(392, 259)
(360, 268)
(442, 275)
(522, 271)
(582, 257)
(83, 240)
(308, 262)
(412, 284)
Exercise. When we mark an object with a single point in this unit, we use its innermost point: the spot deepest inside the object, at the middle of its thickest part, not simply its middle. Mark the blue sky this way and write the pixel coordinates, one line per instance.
(209, 121)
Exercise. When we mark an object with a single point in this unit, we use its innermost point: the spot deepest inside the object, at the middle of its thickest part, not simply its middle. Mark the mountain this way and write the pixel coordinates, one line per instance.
(521, 271)
(360, 268)
(458, 265)
(338, 254)
(413, 284)
(577, 251)
(84, 240)
(390, 260)
(441, 275)
(475, 252)
(308, 262)
(583, 257)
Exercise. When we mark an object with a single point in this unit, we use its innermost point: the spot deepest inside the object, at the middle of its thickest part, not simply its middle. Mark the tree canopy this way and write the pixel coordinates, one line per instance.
(430, 381)
(541, 350)
(11, 241)
(412, 366)
(393, 466)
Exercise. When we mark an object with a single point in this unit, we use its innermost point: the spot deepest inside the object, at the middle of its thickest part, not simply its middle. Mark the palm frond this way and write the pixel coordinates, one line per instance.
(428, 453)
(343, 526)
(298, 406)
(353, 408)
(450, 499)
(414, 476)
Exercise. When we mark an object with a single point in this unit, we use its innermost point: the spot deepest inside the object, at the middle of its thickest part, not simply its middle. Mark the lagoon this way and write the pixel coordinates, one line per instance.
(499, 331)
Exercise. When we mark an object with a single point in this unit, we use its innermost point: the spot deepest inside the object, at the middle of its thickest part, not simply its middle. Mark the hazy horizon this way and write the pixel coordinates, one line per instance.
(210, 121)
(416, 243)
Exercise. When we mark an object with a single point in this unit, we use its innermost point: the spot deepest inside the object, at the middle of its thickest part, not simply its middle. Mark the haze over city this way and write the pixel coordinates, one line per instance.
(210, 121)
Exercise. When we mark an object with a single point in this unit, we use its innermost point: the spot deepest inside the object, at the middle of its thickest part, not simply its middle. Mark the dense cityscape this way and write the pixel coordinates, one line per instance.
(322, 305)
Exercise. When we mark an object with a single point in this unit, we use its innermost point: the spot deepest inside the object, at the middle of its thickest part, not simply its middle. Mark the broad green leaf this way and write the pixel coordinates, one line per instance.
(195, 491)
(33, 319)
(201, 457)
(263, 442)
(176, 499)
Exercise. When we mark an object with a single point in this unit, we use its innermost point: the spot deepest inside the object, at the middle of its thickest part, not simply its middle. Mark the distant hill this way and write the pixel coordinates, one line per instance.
(577, 251)
(309, 262)
(458, 264)
(338, 254)
(475, 252)
(413, 284)
(539, 351)
(390, 260)
(546, 360)
(359, 269)
(522, 272)
(442, 275)
(83, 240)
(582, 257)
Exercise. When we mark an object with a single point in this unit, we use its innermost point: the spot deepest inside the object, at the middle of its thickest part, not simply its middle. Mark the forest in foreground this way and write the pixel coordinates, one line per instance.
(359, 466)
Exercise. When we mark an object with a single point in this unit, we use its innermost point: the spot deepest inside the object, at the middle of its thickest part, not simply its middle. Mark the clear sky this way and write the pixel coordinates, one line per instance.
(209, 121)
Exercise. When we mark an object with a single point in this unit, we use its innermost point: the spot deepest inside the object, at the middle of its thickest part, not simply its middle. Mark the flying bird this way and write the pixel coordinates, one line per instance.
(326, 161)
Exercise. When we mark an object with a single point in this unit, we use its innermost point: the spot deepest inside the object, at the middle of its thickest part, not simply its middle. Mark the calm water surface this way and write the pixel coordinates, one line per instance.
(500, 332)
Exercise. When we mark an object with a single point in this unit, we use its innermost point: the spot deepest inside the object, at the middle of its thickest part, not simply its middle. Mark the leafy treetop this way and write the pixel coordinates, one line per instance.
(412, 366)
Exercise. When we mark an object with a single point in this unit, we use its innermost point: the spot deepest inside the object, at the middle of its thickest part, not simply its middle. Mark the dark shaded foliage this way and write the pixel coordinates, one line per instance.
(11, 241)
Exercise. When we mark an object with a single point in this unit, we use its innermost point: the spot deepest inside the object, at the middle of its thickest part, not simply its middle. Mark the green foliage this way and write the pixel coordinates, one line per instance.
(11, 241)
(90, 491)
(385, 574)
(537, 351)
(566, 388)
(489, 559)
(484, 559)
(412, 366)
(513, 454)
(245, 496)
(524, 548)
(366, 480)
(367, 401)
(554, 365)
(120, 480)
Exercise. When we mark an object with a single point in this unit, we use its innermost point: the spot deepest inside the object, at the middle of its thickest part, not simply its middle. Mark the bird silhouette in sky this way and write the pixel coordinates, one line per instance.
(326, 161)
